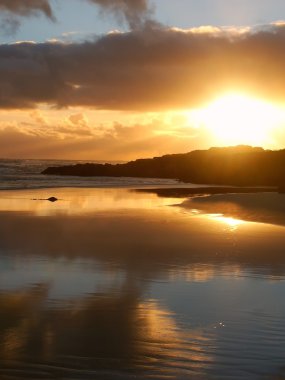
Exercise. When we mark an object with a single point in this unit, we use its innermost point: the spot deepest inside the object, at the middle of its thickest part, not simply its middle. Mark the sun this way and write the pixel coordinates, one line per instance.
(239, 119)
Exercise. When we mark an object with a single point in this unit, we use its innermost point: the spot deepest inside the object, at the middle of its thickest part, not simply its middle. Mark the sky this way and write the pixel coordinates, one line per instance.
(125, 79)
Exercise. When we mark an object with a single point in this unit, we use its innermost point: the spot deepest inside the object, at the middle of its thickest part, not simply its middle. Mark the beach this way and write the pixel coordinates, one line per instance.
(142, 190)
(113, 283)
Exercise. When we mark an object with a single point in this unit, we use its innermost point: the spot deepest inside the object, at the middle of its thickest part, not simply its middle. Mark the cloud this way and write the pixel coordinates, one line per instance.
(154, 68)
(27, 7)
(135, 12)
(118, 142)
(15, 9)
(38, 117)
(78, 119)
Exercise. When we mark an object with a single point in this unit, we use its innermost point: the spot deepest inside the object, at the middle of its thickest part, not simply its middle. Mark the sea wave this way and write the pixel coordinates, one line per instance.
(26, 174)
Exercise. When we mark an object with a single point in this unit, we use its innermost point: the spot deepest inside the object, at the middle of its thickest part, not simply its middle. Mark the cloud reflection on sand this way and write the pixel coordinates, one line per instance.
(135, 230)
(107, 331)
(72, 201)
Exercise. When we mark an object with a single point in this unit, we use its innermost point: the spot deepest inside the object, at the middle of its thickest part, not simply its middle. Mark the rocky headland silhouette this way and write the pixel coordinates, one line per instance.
(234, 166)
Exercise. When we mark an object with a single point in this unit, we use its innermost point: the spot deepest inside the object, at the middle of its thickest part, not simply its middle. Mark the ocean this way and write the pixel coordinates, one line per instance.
(26, 174)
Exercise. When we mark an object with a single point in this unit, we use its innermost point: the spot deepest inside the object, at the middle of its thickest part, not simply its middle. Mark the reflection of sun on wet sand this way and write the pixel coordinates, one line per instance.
(235, 208)
(229, 221)
(231, 204)
(134, 229)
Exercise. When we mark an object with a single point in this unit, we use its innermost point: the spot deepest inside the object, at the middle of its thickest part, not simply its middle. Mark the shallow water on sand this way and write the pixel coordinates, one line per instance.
(115, 284)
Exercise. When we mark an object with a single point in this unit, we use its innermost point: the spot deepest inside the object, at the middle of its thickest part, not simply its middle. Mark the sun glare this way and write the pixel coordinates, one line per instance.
(231, 223)
(239, 119)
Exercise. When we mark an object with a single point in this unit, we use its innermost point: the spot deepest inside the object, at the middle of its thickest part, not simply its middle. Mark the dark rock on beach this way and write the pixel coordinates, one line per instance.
(234, 166)
(52, 199)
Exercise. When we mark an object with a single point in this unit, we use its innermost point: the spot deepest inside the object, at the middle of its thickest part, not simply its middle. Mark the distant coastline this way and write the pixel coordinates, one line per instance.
(241, 166)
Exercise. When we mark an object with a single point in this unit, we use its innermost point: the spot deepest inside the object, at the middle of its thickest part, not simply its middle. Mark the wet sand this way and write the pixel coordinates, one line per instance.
(182, 192)
(261, 208)
(117, 284)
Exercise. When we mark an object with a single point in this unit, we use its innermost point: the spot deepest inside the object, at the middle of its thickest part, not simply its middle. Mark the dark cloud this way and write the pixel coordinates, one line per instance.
(27, 7)
(147, 69)
(135, 12)
(13, 10)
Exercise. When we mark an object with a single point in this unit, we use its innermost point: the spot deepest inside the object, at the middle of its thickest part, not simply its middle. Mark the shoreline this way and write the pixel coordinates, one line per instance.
(255, 204)
(208, 190)
(166, 191)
